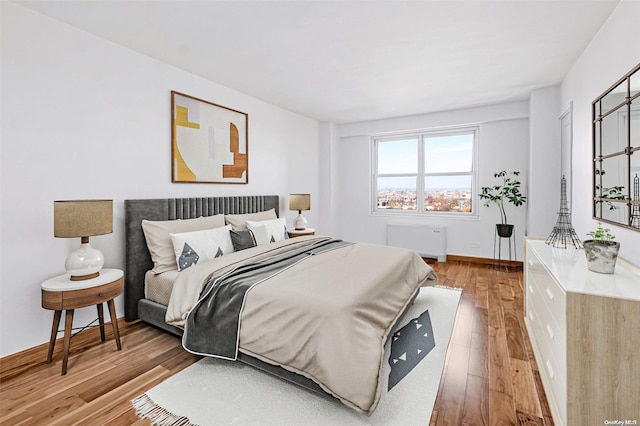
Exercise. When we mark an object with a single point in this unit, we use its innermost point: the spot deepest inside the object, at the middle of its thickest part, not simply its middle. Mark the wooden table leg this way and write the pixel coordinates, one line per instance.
(54, 334)
(101, 321)
(114, 322)
(68, 322)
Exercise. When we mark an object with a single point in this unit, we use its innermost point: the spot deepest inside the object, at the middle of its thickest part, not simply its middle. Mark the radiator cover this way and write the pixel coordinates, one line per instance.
(426, 240)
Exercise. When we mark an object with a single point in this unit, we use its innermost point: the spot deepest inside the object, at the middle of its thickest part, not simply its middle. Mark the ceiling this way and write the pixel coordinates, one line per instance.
(346, 61)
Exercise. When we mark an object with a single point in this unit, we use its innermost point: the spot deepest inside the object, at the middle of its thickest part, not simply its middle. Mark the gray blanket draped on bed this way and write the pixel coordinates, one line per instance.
(213, 325)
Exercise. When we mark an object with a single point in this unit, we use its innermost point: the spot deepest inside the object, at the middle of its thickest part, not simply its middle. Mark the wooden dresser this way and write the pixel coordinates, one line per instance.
(585, 331)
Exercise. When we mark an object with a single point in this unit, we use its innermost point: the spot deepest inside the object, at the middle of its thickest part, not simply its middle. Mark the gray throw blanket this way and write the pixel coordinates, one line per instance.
(213, 325)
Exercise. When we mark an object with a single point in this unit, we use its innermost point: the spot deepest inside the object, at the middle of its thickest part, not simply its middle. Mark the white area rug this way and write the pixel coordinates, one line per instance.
(217, 392)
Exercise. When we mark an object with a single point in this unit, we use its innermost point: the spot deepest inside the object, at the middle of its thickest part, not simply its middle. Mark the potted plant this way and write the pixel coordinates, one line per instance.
(601, 250)
(509, 191)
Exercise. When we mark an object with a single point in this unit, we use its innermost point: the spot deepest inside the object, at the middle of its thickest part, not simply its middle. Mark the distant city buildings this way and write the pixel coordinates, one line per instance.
(439, 200)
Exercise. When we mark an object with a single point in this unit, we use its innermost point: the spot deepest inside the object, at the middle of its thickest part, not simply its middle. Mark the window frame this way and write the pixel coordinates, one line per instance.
(420, 175)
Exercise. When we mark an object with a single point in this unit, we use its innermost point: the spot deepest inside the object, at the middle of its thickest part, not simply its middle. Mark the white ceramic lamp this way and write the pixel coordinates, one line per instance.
(300, 202)
(84, 219)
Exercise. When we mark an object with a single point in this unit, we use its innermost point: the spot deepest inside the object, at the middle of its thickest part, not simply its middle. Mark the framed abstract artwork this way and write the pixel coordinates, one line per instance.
(209, 142)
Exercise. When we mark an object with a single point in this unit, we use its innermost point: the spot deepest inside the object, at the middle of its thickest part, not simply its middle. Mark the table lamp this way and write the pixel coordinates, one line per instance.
(84, 219)
(300, 202)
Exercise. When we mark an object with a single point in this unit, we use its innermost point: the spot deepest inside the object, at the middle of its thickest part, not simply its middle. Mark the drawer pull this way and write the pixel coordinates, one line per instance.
(531, 315)
(550, 369)
(550, 331)
(550, 294)
(530, 289)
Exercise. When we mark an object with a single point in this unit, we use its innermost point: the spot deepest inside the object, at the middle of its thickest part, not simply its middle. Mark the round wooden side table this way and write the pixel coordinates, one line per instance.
(299, 233)
(61, 294)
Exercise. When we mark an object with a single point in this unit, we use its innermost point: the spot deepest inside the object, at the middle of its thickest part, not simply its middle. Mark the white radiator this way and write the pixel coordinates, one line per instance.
(426, 240)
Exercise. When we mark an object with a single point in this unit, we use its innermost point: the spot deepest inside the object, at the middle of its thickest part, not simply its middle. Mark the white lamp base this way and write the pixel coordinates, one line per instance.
(84, 263)
(300, 223)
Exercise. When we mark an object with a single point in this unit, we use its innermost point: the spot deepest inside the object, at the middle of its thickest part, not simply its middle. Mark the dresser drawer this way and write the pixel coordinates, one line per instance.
(541, 286)
(545, 300)
(555, 299)
(548, 329)
(551, 364)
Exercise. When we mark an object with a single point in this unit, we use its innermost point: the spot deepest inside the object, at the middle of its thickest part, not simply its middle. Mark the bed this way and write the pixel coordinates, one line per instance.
(309, 355)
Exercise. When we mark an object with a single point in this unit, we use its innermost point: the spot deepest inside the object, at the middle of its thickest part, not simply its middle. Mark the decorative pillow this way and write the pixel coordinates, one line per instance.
(193, 247)
(268, 231)
(156, 233)
(238, 221)
(261, 235)
(242, 239)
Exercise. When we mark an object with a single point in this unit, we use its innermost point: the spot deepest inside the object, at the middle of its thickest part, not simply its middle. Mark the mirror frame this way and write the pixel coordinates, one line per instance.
(625, 194)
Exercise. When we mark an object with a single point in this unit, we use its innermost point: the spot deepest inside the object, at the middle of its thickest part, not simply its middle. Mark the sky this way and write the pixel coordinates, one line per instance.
(450, 153)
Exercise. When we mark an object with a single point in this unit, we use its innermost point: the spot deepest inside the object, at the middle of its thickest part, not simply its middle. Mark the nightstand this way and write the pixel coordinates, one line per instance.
(61, 294)
(299, 233)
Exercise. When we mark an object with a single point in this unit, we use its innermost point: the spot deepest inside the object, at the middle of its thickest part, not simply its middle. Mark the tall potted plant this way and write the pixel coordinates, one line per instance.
(509, 191)
(601, 251)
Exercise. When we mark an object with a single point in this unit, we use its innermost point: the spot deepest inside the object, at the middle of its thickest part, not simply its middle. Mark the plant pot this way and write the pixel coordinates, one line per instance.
(504, 230)
(601, 257)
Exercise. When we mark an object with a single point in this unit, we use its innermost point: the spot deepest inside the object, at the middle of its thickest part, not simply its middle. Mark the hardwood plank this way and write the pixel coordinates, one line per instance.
(478, 356)
(462, 332)
(121, 376)
(434, 418)
(453, 387)
(499, 370)
(506, 291)
(542, 398)
(513, 331)
(524, 388)
(482, 288)
(31, 397)
(476, 405)
(527, 420)
(502, 409)
(99, 409)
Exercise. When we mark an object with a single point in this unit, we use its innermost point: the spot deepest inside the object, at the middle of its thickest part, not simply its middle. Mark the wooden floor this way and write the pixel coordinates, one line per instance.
(490, 375)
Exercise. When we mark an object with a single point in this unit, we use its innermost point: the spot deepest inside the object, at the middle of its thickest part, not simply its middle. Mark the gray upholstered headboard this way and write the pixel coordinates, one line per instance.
(137, 257)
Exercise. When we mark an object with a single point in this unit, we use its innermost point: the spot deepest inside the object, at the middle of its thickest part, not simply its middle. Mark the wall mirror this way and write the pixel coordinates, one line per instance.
(616, 153)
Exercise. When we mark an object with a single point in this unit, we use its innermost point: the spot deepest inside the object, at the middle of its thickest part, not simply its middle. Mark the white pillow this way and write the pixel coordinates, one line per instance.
(268, 231)
(198, 246)
(260, 235)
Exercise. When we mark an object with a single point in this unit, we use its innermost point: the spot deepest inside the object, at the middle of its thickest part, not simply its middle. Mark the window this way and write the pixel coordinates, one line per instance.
(425, 173)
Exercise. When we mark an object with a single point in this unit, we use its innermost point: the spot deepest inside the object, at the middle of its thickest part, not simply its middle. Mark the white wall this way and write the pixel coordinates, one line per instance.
(503, 144)
(611, 54)
(84, 118)
(544, 161)
(328, 207)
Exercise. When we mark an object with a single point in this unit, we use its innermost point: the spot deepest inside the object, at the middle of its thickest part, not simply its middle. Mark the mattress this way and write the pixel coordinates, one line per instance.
(158, 287)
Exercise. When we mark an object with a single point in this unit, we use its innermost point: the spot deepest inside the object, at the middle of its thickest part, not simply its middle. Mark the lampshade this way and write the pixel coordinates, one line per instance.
(84, 219)
(299, 202)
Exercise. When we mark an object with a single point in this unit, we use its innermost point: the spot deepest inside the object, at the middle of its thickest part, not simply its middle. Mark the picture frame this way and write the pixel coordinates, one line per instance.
(209, 142)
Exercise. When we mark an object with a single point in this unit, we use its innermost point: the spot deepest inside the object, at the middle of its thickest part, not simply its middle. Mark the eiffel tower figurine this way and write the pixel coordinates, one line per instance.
(563, 231)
